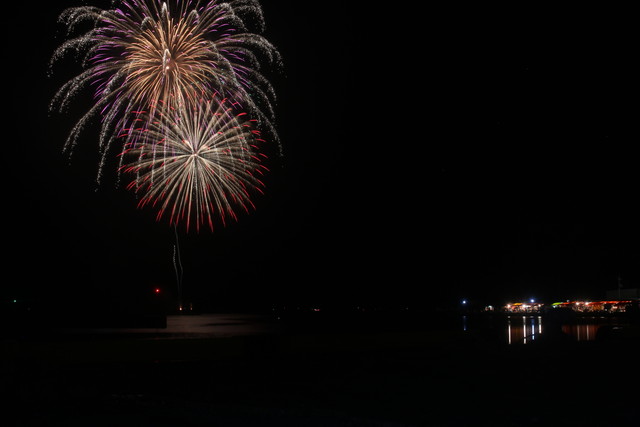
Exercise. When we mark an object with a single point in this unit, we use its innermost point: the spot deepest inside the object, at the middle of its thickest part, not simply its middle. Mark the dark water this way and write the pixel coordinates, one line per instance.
(242, 370)
(193, 326)
(527, 329)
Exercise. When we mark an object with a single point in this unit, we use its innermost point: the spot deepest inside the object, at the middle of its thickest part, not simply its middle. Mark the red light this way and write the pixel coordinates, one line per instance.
(157, 290)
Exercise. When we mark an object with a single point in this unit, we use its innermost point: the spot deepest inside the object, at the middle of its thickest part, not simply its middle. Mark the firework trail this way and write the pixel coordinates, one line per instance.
(146, 53)
(196, 161)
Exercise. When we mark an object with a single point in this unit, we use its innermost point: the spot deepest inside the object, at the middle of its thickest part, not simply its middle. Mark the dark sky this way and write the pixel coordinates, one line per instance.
(484, 153)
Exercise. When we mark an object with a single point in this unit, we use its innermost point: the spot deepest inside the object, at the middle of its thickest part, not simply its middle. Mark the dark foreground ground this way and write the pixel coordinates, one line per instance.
(317, 377)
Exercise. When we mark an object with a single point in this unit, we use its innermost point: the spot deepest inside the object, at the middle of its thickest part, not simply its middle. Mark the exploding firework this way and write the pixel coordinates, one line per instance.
(146, 53)
(196, 161)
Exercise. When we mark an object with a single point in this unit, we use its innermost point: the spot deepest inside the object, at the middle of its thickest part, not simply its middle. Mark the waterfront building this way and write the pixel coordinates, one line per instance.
(611, 306)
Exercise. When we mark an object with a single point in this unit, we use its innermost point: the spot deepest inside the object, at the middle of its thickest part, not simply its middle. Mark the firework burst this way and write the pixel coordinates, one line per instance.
(195, 162)
(146, 53)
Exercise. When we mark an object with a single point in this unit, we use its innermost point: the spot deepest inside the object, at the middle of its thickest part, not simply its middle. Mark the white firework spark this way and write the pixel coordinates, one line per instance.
(195, 162)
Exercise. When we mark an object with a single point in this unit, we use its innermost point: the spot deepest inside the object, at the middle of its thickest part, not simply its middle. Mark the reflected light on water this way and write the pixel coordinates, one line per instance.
(523, 329)
(526, 329)
(582, 332)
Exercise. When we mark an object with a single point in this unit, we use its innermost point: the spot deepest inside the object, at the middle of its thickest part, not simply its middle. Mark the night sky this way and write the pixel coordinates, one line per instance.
(428, 155)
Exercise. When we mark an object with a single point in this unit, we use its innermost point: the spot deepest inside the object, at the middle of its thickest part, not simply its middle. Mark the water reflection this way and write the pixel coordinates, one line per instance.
(582, 332)
(523, 329)
(526, 329)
